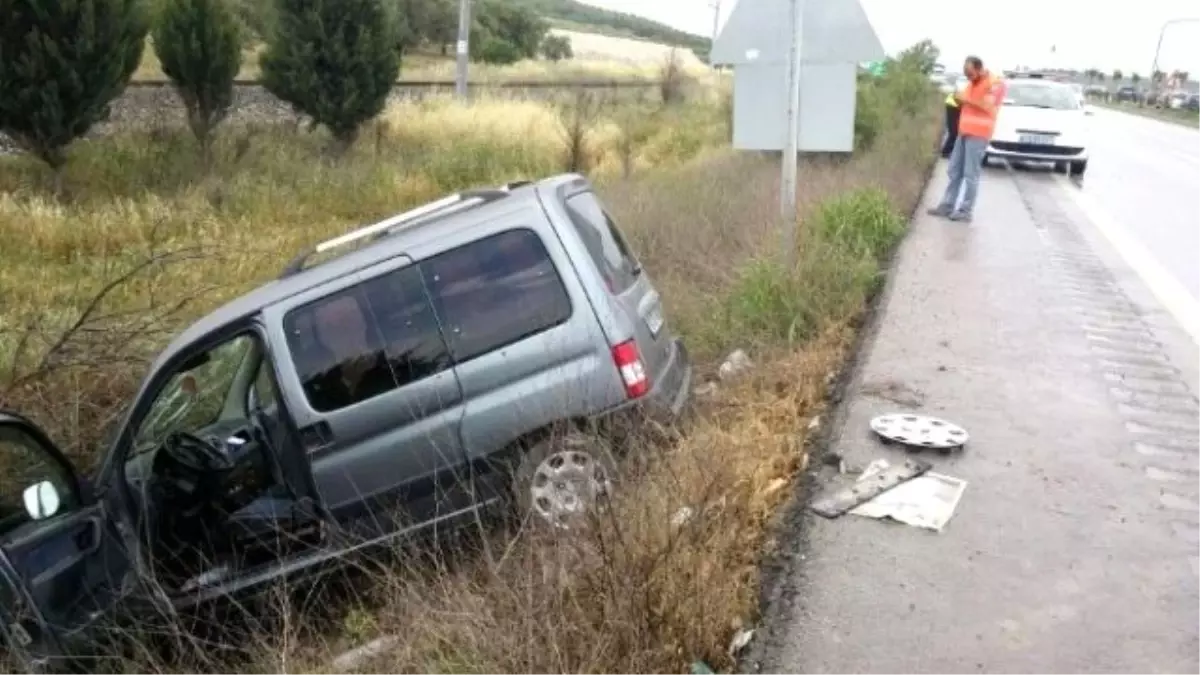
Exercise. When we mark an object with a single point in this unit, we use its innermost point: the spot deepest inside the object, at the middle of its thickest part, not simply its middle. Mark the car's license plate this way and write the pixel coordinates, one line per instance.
(1037, 139)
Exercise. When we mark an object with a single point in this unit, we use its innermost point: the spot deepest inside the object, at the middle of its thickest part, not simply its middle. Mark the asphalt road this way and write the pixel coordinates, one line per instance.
(1074, 546)
(1145, 173)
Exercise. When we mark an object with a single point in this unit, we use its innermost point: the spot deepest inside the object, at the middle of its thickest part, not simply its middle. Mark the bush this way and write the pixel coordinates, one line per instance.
(894, 98)
(864, 223)
(868, 115)
(843, 241)
(507, 22)
(335, 61)
(672, 79)
(497, 52)
(432, 22)
(199, 43)
(557, 48)
(61, 64)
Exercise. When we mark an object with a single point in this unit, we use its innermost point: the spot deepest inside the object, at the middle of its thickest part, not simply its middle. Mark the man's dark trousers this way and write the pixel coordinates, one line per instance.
(952, 113)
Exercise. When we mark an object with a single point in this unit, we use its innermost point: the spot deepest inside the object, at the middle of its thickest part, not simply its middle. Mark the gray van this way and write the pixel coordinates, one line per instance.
(484, 348)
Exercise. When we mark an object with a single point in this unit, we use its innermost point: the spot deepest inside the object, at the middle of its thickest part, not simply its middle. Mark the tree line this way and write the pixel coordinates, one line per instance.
(618, 22)
(1158, 77)
(63, 62)
(503, 31)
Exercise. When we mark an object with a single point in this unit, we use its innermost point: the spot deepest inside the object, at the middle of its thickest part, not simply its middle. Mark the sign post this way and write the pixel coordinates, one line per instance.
(791, 159)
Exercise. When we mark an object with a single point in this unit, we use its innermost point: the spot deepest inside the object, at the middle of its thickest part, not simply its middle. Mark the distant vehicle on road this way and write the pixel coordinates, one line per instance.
(1042, 121)
(1192, 103)
(1129, 94)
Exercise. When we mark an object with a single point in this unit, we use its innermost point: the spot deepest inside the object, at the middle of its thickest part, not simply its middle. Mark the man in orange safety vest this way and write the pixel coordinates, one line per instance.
(979, 104)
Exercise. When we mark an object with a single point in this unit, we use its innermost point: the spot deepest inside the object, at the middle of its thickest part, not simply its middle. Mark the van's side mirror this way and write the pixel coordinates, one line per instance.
(41, 500)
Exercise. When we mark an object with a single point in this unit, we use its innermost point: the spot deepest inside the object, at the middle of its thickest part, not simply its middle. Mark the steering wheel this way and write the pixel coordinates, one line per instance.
(196, 453)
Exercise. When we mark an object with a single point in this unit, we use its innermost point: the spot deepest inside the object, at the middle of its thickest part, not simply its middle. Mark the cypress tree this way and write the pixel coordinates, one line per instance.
(62, 62)
(334, 60)
(199, 43)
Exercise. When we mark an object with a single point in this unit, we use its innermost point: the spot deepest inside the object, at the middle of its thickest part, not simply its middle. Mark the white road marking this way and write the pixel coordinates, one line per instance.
(1173, 296)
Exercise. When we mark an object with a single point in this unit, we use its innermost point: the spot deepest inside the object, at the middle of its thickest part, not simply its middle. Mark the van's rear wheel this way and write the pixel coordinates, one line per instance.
(1078, 168)
(563, 479)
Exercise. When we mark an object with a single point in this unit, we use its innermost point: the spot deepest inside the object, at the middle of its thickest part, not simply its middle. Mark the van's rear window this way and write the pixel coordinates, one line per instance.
(605, 244)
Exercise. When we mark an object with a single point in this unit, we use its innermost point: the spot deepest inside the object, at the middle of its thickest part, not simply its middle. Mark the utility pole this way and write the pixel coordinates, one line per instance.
(1162, 32)
(787, 179)
(463, 49)
(716, 5)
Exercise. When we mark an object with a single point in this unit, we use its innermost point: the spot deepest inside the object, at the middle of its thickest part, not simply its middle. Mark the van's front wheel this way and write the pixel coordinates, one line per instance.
(563, 479)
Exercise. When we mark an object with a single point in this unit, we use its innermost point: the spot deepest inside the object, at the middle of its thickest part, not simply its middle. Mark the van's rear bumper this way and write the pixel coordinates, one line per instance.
(669, 394)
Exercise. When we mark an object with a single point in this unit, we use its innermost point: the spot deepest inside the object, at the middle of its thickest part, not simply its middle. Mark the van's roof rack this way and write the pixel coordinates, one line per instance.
(440, 208)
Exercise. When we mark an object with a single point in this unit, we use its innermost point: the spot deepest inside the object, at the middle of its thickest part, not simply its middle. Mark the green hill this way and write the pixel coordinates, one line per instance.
(578, 16)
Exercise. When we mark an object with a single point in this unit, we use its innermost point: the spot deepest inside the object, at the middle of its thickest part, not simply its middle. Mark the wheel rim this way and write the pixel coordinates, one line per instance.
(566, 485)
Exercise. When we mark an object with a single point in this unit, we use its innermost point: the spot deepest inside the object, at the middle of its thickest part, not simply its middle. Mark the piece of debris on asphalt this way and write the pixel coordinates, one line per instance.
(867, 488)
(927, 501)
(919, 431)
(736, 363)
(831, 458)
(740, 639)
(814, 423)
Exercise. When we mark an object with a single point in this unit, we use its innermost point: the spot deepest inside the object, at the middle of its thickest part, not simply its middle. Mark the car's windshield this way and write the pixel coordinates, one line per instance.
(1050, 96)
(195, 396)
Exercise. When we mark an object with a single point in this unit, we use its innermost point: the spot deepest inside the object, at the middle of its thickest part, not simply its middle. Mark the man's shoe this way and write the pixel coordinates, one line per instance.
(939, 211)
(960, 217)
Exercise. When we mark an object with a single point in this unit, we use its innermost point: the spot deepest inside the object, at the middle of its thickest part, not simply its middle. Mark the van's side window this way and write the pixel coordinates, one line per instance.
(496, 291)
(603, 240)
(365, 341)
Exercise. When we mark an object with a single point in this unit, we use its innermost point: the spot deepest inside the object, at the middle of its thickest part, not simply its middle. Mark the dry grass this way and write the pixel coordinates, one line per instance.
(634, 593)
(597, 57)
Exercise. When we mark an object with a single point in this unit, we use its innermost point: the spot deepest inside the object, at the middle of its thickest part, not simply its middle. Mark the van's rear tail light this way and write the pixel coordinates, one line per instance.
(633, 371)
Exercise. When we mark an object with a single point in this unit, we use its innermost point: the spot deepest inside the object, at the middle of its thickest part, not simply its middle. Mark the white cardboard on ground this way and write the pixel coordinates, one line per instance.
(927, 501)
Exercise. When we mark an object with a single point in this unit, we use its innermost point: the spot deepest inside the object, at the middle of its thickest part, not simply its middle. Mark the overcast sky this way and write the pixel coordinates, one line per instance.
(1006, 33)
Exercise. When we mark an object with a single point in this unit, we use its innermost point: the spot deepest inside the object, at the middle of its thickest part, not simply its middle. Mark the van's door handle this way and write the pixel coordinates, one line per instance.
(88, 539)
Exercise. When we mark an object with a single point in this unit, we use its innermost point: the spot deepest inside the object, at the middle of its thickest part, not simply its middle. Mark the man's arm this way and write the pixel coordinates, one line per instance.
(989, 102)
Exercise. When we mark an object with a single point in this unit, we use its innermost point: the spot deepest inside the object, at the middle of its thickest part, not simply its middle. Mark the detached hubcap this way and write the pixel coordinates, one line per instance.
(566, 485)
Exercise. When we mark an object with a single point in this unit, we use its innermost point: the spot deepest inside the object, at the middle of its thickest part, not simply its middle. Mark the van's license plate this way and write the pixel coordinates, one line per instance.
(654, 320)
(1037, 139)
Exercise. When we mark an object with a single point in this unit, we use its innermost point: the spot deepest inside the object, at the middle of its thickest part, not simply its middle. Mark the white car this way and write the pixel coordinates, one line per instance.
(1042, 121)
(1081, 95)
